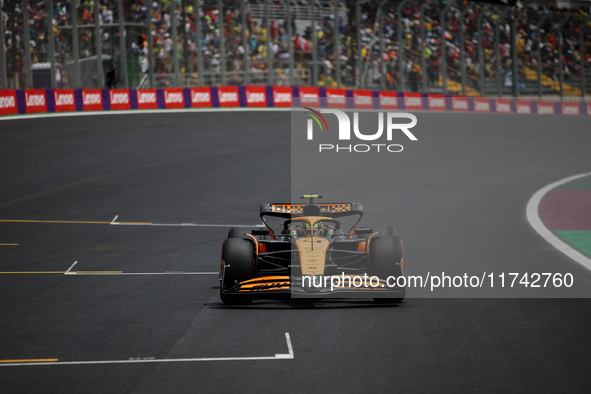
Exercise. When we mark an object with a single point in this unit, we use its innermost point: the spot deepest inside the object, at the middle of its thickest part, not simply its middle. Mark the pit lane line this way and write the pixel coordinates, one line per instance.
(533, 217)
(186, 224)
(139, 112)
(99, 273)
(38, 362)
(163, 111)
(84, 273)
(72, 266)
(202, 110)
(114, 223)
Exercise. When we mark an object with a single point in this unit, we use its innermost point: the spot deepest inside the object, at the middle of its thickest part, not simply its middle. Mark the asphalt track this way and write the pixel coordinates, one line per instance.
(462, 193)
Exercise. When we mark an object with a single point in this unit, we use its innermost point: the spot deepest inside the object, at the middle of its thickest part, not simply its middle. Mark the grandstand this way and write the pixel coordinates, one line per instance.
(428, 46)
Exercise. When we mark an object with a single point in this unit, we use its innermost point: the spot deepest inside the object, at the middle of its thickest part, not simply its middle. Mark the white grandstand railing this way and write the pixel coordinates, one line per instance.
(298, 11)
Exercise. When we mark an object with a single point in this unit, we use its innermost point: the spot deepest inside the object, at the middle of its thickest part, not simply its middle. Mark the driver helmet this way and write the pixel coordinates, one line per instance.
(319, 230)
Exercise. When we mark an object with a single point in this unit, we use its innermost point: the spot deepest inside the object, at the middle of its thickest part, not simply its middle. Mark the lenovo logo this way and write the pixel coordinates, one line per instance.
(503, 107)
(146, 97)
(336, 100)
(413, 101)
(523, 108)
(482, 106)
(226, 97)
(173, 97)
(363, 100)
(546, 109)
(282, 97)
(7, 102)
(119, 98)
(388, 101)
(460, 105)
(35, 100)
(570, 109)
(200, 97)
(91, 98)
(256, 97)
(309, 98)
(64, 99)
(436, 102)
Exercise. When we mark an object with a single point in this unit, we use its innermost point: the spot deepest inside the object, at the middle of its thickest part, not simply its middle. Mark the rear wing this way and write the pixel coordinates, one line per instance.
(333, 210)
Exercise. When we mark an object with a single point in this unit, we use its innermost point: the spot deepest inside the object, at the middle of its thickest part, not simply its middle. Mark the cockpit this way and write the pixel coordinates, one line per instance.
(300, 228)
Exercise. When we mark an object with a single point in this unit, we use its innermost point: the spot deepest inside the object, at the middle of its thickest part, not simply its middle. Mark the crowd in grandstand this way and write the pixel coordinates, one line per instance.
(448, 37)
(422, 52)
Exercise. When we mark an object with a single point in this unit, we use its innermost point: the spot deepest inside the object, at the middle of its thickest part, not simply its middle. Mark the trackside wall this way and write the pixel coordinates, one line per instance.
(14, 102)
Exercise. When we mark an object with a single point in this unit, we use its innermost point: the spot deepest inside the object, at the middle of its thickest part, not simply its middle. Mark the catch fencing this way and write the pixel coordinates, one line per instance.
(421, 46)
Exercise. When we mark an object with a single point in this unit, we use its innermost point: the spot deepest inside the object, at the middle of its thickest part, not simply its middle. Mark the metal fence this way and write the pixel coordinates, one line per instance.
(427, 46)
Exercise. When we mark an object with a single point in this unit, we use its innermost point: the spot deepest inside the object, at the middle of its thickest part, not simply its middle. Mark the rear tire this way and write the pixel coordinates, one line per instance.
(238, 232)
(239, 259)
(385, 259)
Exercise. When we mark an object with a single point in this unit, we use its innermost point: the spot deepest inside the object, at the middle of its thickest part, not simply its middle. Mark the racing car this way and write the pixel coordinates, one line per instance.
(303, 244)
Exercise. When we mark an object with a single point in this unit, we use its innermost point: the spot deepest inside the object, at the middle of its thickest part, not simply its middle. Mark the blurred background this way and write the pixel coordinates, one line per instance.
(475, 48)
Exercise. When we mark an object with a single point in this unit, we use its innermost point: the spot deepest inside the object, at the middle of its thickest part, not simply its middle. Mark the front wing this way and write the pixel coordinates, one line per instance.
(271, 286)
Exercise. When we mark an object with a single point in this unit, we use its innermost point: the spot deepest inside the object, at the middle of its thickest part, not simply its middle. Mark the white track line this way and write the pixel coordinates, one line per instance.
(188, 110)
(533, 217)
(68, 272)
(281, 356)
(140, 111)
(289, 348)
(140, 273)
(114, 222)
(188, 225)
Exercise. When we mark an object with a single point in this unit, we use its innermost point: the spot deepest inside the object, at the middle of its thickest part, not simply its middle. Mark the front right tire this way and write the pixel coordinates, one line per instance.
(385, 259)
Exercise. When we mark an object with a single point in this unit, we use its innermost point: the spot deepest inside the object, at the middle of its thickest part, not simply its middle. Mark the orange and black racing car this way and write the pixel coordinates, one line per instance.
(311, 250)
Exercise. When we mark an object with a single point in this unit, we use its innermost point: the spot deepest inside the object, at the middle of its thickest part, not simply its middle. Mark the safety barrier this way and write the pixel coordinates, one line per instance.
(14, 102)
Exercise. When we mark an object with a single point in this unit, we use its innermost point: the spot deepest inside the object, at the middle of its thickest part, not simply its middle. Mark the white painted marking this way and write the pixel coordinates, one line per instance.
(189, 110)
(143, 273)
(289, 348)
(533, 217)
(115, 218)
(189, 225)
(70, 269)
(140, 112)
(281, 356)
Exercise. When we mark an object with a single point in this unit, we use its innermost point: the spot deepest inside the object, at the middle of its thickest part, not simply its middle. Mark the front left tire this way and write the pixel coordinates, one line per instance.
(239, 262)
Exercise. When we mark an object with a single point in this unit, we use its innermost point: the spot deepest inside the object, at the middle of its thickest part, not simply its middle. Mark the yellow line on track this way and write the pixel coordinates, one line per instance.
(8, 244)
(66, 221)
(31, 360)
